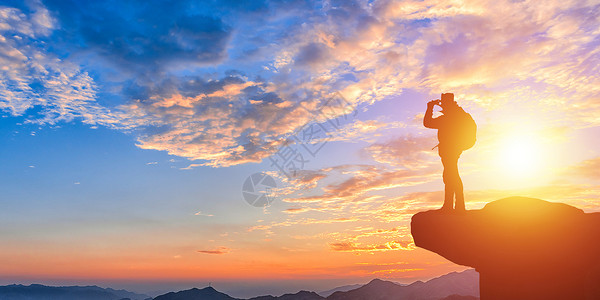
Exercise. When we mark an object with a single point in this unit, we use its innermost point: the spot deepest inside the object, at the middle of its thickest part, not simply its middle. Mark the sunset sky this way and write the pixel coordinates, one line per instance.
(128, 129)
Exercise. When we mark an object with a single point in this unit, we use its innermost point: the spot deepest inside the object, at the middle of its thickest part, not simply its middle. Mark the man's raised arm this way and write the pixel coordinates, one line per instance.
(428, 120)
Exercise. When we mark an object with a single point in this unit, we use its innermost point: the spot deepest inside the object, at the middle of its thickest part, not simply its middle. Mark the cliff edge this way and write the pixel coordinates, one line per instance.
(523, 248)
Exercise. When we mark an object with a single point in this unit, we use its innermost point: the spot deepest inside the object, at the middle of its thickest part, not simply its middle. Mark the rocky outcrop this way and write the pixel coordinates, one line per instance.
(523, 248)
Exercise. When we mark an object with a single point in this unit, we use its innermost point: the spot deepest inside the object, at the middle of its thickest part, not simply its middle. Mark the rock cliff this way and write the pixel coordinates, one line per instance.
(523, 248)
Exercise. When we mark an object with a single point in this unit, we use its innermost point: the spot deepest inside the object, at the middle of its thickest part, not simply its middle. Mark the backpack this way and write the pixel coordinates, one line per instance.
(468, 132)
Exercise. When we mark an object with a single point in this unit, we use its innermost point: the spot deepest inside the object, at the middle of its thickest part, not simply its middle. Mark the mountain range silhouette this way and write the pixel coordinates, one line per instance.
(43, 292)
(452, 286)
(523, 248)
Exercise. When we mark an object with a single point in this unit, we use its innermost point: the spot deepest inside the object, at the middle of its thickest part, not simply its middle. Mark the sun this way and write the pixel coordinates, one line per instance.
(517, 156)
(520, 156)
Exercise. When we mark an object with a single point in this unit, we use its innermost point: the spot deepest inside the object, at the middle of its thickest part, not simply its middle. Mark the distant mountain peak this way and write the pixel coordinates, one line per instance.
(381, 283)
(195, 293)
(301, 295)
(305, 292)
(376, 280)
(343, 288)
(463, 283)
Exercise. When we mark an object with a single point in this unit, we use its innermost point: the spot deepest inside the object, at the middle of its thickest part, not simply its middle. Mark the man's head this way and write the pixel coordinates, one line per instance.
(447, 98)
(447, 103)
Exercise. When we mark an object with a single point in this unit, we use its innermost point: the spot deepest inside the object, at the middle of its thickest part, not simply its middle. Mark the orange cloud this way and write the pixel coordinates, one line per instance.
(296, 210)
(389, 246)
(362, 131)
(220, 250)
(363, 179)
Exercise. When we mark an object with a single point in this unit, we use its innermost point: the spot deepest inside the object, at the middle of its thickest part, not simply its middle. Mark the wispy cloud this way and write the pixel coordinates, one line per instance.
(589, 169)
(353, 182)
(219, 250)
(362, 131)
(200, 213)
(411, 152)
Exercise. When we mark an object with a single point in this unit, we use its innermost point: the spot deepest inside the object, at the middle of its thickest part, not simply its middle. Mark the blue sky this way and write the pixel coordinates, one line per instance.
(129, 127)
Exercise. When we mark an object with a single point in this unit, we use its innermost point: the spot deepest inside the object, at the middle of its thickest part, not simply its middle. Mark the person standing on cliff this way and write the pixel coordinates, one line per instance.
(456, 133)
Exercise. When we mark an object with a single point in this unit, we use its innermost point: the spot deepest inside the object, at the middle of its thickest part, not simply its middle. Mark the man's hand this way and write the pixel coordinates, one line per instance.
(432, 103)
(428, 120)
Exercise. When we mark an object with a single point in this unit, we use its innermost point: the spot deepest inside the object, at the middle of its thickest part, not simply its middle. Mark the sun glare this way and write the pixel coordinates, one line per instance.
(520, 156)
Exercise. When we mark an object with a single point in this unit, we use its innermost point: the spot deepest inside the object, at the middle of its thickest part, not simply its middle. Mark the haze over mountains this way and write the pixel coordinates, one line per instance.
(344, 288)
(42, 292)
(452, 286)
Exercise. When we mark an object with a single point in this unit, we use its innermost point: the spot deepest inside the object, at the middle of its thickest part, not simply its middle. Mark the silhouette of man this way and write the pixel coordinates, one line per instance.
(449, 147)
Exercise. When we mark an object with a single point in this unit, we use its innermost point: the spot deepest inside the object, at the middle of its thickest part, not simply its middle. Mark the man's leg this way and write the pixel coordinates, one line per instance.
(448, 186)
(452, 182)
(458, 191)
(458, 187)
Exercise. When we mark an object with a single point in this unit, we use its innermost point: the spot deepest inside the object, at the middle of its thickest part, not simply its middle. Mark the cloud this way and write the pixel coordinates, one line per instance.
(359, 130)
(478, 49)
(200, 213)
(352, 182)
(311, 54)
(411, 152)
(302, 221)
(222, 122)
(389, 246)
(147, 49)
(219, 250)
(355, 195)
(180, 83)
(32, 77)
(588, 169)
(296, 210)
(127, 37)
(37, 23)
